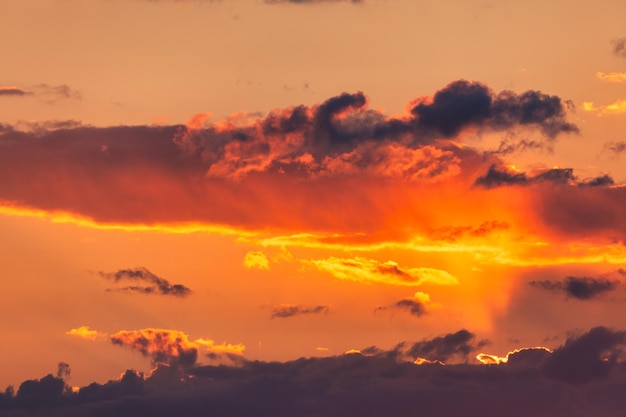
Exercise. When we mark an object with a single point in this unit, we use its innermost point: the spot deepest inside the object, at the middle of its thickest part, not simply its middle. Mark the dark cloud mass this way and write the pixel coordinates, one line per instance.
(233, 172)
(157, 285)
(444, 348)
(583, 377)
(284, 311)
(580, 288)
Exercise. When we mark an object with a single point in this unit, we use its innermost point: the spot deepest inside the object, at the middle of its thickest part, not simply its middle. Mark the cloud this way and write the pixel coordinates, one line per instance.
(284, 311)
(365, 270)
(619, 47)
(503, 176)
(371, 383)
(156, 285)
(12, 91)
(257, 260)
(171, 347)
(84, 332)
(618, 107)
(587, 356)
(452, 346)
(454, 233)
(580, 288)
(528, 357)
(379, 177)
(612, 77)
(417, 306)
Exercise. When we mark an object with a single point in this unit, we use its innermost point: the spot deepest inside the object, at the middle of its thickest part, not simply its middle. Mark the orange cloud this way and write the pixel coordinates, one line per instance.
(369, 271)
(85, 332)
(612, 77)
(228, 348)
(257, 260)
(488, 359)
(618, 107)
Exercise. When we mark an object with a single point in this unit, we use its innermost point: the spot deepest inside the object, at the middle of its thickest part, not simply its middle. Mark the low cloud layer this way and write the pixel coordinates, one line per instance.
(153, 284)
(447, 382)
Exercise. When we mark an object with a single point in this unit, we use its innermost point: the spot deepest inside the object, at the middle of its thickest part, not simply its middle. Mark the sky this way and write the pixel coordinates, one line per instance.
(331, 207)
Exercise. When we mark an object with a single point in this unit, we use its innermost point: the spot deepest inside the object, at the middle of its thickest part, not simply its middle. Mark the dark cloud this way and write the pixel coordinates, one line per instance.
(585, 357)
(157, 285)
(284, 311)
(63, 370)
(13, 91)
(497, 177)
(500, 177)
(413, 306)
(375, 383)
(599, 181)
(580, 288)
(619, 47)
(444, 348)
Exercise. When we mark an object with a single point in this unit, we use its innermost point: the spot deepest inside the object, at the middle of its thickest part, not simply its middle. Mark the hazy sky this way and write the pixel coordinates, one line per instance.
(195, 183)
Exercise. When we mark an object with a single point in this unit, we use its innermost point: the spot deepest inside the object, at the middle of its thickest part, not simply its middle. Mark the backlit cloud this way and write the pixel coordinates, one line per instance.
(612, 77)
(370, 271)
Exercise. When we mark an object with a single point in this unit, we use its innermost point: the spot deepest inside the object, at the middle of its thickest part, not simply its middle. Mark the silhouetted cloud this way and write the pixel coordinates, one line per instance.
(587, 356)
(619, 47)
(456, 345)
(580, 288)
(156, 285)
(496, 177)
(599, 181)
(532, 381)
(284, 311)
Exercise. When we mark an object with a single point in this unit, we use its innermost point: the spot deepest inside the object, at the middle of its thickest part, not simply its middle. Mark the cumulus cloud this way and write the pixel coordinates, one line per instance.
(84, 332)
(155, 284)
(284, 311)
(365, 270)
(580, 288)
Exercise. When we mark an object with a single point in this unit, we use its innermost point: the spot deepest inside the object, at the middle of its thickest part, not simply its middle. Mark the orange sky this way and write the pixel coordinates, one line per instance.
(275, 180)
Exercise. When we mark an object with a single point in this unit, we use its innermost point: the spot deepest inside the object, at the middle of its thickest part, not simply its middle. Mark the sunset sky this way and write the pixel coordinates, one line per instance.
(197, 182)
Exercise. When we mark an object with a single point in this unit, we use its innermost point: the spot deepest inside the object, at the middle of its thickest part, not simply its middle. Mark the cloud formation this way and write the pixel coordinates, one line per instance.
(580, 288)
(365, 270)
(284, 311)
(372, 383)
(417, 306)
(156, 285)
(612, 77)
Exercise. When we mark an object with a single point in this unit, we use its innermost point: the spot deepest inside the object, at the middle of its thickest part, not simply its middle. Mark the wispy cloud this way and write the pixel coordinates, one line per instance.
(612, 77)
(155, 284)
(370, 271)
(284, 311)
